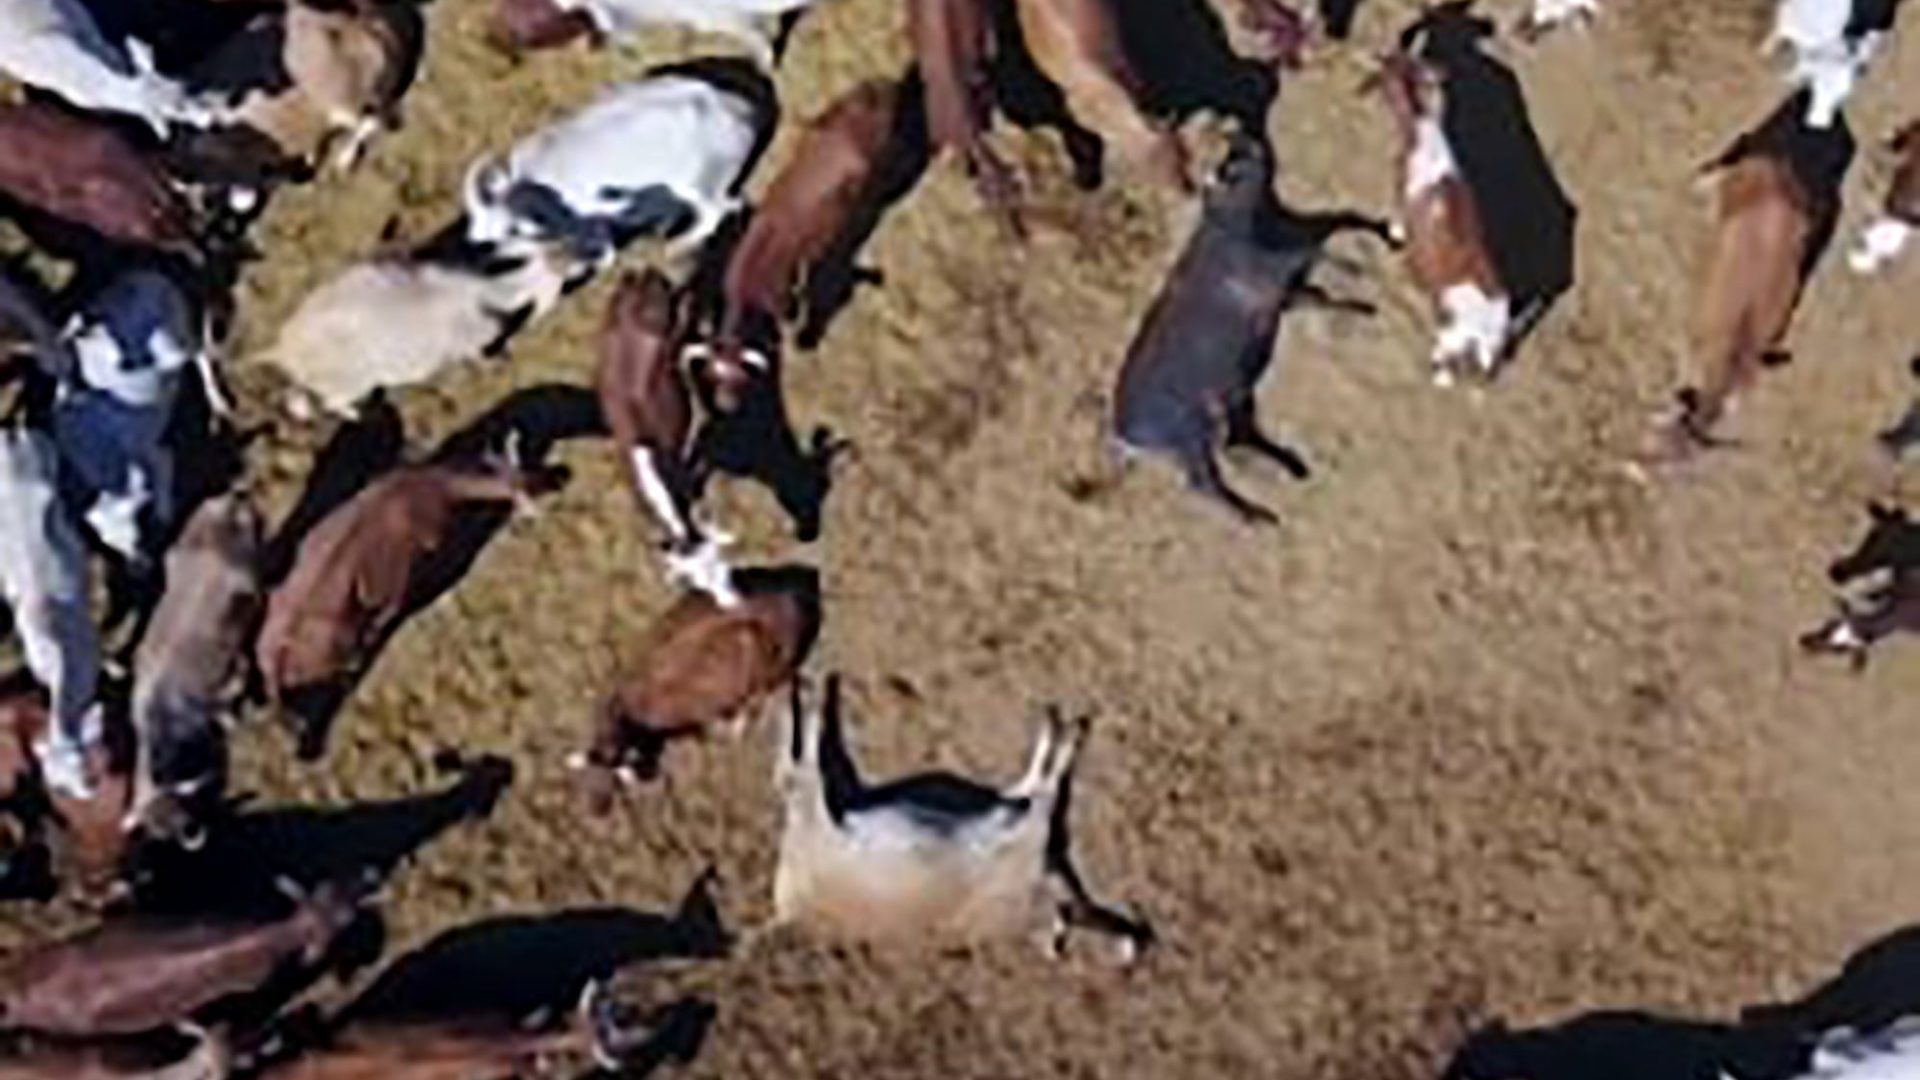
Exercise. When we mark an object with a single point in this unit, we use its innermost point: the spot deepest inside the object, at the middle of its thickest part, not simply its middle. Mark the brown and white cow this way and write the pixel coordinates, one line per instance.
(1886, 237)
(1447, 248)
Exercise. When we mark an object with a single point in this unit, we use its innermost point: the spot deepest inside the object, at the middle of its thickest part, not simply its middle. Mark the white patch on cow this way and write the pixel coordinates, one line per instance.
(1550, 13)
(705, 569)
(242, 199)
(653, 488)
(1829, 74)
(1809, 24)
(1473, 325)
(1845, 636)
(63, 765)
(1431, 159)
(1880, 243)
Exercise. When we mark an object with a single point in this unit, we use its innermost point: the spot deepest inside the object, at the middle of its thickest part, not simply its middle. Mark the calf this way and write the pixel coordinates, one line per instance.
(309, 77)
(1189, 376)
(1892, 546)
(1887, 236)
(462, 1049)
(1447, 248)
(811, 203)
(699, 665)
(1832, 42)
(952, 44)
(355, 572)
(131, 342)
(45, 581)
(644, 397)
(657, 157)
(398, 320)
(192, 660)
(1768, 219)
(138, 1057)
(83, 172)
(520, 25)
(133, 974)
(56, 45)
(1077, 45)
(931, 857)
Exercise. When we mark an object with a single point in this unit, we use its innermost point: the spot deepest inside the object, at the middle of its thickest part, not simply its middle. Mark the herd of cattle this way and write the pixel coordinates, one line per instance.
(143, 153)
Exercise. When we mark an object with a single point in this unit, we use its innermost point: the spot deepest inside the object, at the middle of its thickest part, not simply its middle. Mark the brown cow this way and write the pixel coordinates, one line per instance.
(1446, 241)
(810, 203)
(355, 572)
(93, 842)
(953, 47)
(527, 25)
(1767, 218)
(1076, 43)
(1886, 237)
(138, 974)
(121, 1058)
(700, 664)
(82, 171)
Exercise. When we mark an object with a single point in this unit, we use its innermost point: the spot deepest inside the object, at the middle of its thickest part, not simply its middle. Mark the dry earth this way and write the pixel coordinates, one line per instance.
(1484, 729)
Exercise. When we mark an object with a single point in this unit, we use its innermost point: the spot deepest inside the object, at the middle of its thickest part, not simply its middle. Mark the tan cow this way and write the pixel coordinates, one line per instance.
(1076, 43)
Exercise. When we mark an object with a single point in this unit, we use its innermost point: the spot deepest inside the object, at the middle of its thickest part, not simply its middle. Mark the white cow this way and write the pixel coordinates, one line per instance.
(399, 320)
(659, 156)
(619, 19)
(131, 343)
(1832, 42)
(56, 46)
(44, 579)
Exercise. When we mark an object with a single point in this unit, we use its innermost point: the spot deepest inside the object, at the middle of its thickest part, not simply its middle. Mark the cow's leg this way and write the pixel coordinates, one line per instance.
(1243, 429)
(1203, 475)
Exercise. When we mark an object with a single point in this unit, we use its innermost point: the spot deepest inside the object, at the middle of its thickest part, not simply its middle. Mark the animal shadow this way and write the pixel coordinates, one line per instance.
(1610, 1045)
(1180, 50)
(1903, 434)
(248, 853)
(1878, 985)
(755, 440)
(521, 965)
(832, 282)
(1892, 543)
(534, 420)
(1533, 222)
(1031, 100)
(1337, 16)
(358, 451)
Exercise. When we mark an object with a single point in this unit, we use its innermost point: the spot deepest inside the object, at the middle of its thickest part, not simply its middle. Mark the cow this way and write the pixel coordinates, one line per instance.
(1891, 547)
(135, 974)
(524, 25)
(397, 320)
(192, 660)
(83, 172)
(1189, 375)
(1447, 248)
(953, 47)
(700, 665)
(1832, 42)
(1773, 206)
(57, 46)
(93, 846)
(204, 1056)
(932, 858)
(808, 207)
(659, 156)
(461, 1048)
(132, 342)
(1886, 237)
(355, 573)
(309, 79)
(649, 410)
(1077, 45)
(45, 580)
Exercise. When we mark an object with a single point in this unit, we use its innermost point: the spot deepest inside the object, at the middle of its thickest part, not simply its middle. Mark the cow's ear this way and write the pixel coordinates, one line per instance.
(1886, 515)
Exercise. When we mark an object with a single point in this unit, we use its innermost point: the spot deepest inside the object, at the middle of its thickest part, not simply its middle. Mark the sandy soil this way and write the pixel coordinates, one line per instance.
(1484, 729)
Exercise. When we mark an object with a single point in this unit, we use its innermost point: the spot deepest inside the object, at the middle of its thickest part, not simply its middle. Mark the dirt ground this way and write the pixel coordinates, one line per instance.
(1483, 729)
